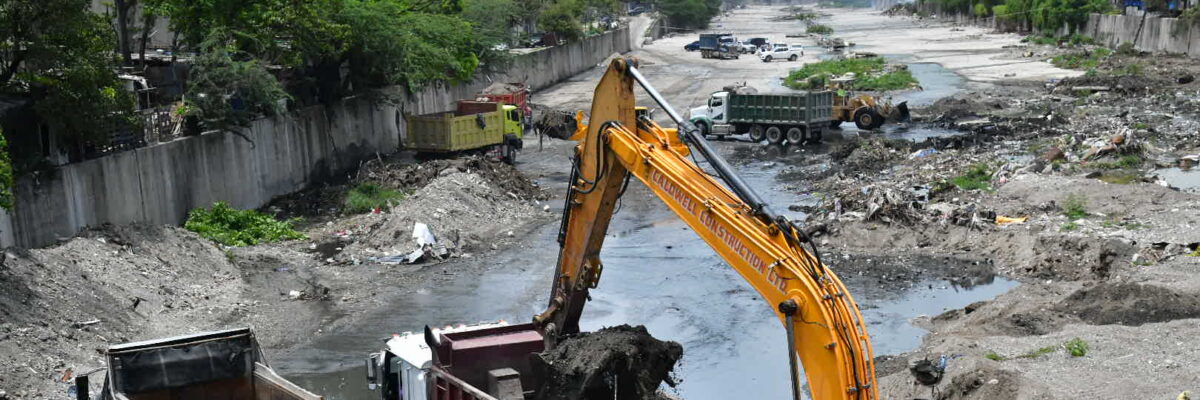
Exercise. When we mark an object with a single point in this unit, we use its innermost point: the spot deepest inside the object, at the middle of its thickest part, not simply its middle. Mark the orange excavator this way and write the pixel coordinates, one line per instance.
(825, 330)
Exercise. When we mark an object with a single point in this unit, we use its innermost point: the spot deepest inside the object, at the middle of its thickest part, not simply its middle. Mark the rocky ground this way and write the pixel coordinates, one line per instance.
(64, 304)
(1105, 247)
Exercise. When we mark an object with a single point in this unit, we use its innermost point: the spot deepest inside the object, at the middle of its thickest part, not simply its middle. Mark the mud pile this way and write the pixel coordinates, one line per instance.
(592, 365)
(411, 177)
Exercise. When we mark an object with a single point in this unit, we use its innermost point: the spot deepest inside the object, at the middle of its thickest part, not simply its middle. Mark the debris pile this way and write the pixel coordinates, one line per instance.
(553, 122)
(621, 362)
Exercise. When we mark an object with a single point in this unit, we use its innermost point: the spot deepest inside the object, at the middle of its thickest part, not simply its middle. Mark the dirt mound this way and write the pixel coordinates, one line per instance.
(1130, 304)
(982, 383)
(414, 176)
(502, 88)
(108, 285)
(1117, 83)
(1074, 258)
(554, 122)
(593, 365)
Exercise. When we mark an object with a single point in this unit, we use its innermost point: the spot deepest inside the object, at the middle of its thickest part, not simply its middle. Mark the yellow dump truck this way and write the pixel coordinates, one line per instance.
(492, 128)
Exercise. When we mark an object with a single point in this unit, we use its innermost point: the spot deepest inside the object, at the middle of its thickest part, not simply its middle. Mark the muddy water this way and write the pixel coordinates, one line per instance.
(1186, 180)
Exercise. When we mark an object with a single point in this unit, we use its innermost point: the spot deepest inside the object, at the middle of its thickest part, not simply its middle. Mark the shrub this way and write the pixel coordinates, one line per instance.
(976, 177)
(369, 196)
(1074, 207)
(819, 29)
(232, 227)
(869, 73)
(1077, 347)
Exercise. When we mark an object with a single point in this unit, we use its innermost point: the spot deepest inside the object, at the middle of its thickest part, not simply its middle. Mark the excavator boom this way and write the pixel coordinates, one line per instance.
(825, 328)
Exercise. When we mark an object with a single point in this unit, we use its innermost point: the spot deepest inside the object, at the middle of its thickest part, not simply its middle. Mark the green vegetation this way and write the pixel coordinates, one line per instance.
(1140, 125)
(805, 16)
(991, 355)
(1069, 226)
(1077, 347)
(1041, 15)
(1119, 178)
(976, 178)
(6, 176)
(218, 79)
(1074, 207)
(369, 196)
(1073, 40)
(869, 73)
(1039, 352)
(232, 227)
(61, 55)
(1085, 60)
(693, 14)
(819, 29)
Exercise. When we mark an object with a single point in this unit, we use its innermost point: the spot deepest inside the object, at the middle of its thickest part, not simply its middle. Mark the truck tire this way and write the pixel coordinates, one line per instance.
(867, 118)
(774, 135)
(508, 154)
(835, 124)
(767, 59)
(793, 57)
(756, 133)
(703, 127)
(795, 135)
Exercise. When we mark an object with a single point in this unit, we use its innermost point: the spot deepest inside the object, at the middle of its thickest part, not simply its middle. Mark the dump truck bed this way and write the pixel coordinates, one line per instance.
(473, 125)
(220, 365)
(803, 108)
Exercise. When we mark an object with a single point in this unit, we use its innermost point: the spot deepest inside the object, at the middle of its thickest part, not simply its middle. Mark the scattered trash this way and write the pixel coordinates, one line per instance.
(295, 294)
(922, 153)
(1002, 220)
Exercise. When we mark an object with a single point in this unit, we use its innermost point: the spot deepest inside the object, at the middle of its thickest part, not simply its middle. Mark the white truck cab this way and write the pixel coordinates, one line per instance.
(782, 51)
(712, 118)
(472, 365)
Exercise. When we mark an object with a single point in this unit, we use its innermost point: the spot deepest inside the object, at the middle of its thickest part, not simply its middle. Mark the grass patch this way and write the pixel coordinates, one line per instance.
(991, 355)
(232, 227)
(1086, 60)
(369, 196)
(1039, 352)
(805, 16)
(1119, 178)
(819, 29)
(1073, 40)
(1129, 225)
(1069, 226)
(1074, 207)
(1077, 347)
(976, 178)
(1125, 162)
(868, 74)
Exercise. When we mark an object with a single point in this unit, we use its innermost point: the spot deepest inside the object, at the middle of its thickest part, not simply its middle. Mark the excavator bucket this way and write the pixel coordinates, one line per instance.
(580, 127)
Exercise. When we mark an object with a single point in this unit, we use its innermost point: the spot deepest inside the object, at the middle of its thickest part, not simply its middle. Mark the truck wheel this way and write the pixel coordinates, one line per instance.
(767, 59)
(756, 133)
(774, 135)
(867, 119)
(508, 154)
(795, 136)
(835, 124)
(793, 57)
(703, 127)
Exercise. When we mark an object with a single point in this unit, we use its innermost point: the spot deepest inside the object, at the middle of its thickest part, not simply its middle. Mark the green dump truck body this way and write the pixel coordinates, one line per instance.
(803, 108)
(473, 125)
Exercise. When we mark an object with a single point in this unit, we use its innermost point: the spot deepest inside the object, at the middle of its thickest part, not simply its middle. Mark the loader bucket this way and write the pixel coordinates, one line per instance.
(902, 114)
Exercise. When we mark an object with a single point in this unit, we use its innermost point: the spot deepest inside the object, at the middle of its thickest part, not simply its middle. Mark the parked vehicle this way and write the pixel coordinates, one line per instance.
(492, 128)
(693, 46)
(782, 51)
(718, 45)
(220, 365)
(748, 48)
(759, 42)
(795, 117)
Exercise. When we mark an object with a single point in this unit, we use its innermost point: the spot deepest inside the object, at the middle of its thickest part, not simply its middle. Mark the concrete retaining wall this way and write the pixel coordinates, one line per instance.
(274, 156)
(1157, 34)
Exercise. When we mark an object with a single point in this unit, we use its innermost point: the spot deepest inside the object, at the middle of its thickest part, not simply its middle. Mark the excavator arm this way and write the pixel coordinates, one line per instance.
(825, 328)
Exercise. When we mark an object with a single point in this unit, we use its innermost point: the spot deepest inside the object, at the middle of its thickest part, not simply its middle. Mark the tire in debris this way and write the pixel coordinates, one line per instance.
(756, 133)
(774, 135)
(795, 135)
(867, 118)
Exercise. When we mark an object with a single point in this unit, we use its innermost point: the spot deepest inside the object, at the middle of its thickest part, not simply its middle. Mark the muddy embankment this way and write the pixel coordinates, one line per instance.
(63, 304)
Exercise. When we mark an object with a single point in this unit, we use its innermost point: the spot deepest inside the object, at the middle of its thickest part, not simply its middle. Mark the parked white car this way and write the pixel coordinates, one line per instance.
(782, 51)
